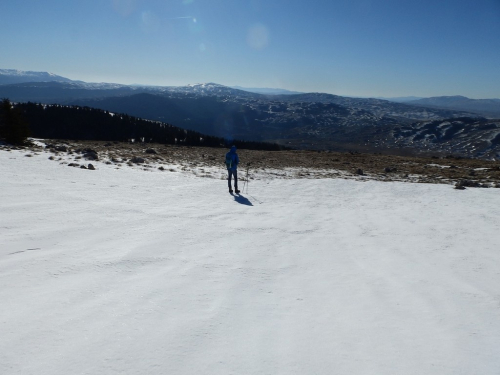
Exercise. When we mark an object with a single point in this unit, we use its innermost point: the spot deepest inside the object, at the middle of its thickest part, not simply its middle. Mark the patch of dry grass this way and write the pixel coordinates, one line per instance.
(285, 164)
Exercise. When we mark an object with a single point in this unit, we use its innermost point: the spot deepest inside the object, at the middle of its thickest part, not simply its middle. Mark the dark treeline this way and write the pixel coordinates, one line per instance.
(13, 128)
(85, 123)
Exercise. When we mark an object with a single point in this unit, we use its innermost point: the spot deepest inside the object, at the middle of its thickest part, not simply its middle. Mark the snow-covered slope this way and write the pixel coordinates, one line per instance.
(134, 272)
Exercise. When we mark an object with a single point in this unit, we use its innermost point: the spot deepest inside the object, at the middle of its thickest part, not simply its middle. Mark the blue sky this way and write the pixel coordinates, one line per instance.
(345, 47)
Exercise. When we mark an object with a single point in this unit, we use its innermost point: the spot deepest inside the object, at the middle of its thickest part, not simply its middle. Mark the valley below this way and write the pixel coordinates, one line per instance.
(308, 121)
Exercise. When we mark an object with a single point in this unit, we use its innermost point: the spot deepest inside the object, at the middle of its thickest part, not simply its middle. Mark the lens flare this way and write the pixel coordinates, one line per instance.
(258, 36)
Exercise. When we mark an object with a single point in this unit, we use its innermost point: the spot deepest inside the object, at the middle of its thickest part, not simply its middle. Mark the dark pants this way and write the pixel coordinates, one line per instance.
(233, 173)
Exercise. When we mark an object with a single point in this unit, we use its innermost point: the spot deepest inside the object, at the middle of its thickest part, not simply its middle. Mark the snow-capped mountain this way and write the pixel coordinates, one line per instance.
(14, 76)
(10, 76)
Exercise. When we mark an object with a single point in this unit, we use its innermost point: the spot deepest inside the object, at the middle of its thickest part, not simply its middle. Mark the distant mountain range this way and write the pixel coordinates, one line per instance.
(267, 91)
(485, 107)
(300, 120)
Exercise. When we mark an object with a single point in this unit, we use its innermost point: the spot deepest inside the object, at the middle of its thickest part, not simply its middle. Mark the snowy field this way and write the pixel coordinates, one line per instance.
(134, 272)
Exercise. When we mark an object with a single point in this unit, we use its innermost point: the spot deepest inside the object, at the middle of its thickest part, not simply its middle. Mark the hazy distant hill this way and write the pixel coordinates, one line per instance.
(401, 99)
(59, 92)
(485, 107)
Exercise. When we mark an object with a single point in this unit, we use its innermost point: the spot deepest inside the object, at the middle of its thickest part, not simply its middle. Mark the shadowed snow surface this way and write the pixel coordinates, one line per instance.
(132, 272)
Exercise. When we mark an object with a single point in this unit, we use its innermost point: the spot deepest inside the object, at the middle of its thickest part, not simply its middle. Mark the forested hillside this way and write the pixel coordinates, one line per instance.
(85, 123)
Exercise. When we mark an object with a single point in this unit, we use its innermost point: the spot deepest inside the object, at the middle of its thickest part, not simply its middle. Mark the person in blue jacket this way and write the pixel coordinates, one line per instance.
(232, 161)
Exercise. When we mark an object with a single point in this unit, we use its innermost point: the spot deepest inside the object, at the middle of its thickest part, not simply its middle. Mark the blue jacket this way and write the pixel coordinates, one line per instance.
(232, 156)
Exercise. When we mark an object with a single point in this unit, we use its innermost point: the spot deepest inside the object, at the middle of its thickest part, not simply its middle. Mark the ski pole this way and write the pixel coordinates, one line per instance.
(248, 182)
(244, 184)
(246, 179)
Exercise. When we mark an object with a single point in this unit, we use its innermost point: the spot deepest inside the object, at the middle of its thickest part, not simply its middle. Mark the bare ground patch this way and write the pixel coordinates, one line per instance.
(209, 162)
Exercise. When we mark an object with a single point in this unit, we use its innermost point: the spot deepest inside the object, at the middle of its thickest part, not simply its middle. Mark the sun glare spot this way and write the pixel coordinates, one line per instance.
(258, 36)
(195, 26)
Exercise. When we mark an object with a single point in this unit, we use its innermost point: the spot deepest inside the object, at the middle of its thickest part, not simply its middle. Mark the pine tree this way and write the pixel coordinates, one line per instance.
(13, 129)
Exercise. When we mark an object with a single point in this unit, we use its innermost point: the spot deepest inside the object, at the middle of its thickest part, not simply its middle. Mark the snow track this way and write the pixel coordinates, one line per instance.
(132, 272)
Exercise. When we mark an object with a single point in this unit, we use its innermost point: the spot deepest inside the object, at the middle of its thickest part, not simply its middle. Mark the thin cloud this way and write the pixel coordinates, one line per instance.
(183, 18)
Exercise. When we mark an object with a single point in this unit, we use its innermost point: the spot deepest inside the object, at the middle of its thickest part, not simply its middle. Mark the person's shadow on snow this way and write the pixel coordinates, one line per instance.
(241, 199)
